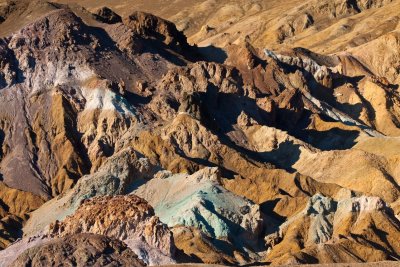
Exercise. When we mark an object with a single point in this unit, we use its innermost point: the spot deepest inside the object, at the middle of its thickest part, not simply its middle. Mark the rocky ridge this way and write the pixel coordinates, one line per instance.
(142, 231)
(80, 249)
(269, 155)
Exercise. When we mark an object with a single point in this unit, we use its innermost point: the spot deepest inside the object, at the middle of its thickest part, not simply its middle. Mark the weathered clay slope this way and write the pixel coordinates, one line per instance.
(255, 152)
(127, 218)
(324, 26)
(80, 250)
(336, 232)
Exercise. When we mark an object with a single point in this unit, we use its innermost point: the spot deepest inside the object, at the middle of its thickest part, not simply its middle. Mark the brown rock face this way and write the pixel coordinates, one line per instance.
(327, 231)
(200, 247)
(55, 139)
(148, 25)
(127, 218)
(14, 209)
(106, 15)
(278, 144)
(80, 250)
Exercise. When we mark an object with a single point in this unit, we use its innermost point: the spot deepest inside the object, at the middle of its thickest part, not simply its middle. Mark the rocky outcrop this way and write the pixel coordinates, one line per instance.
(46, 164)
(198, 245)
(115, 177)
(200, 202)
(327, 228)
(80, 250)
(106, 15)
(184, 200)
(148, 25)
(297, 146)
(321, 73)
(14, 209)
(127, 218)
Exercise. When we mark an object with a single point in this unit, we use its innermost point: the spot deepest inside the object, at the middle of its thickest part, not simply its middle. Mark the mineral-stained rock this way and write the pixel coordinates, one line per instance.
(329, 230)
(61, 117)
(199, 201)
(115, 177)
(127, 218)
(79, 250)
(254, 137)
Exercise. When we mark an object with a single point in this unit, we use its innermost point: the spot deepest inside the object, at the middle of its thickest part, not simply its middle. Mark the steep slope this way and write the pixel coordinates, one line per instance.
(106, 215)
(81, 249)
(324, 26)
(199, 201)
(348, 230)
(254, 152)
(61, 118)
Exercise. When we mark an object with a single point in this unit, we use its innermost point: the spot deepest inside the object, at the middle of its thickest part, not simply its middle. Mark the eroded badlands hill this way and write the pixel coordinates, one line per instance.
(117, 133)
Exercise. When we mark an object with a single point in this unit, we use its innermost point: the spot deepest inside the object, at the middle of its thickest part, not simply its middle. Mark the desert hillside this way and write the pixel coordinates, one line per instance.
(225, 133)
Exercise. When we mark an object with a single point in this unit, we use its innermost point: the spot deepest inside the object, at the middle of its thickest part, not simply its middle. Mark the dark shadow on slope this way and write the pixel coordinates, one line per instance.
(383, 236)
(361, 239)
(333, 139)
(135, 99)
(238, 233)
(2, 137)
(267, 208)
(284, 157)
(156, 47)
(256, 264)
(326, 94)
(354, 111)
(226, 173)
(340, 79)
(393, 87)
(221, 112)
(212, 54)
(182, 257)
